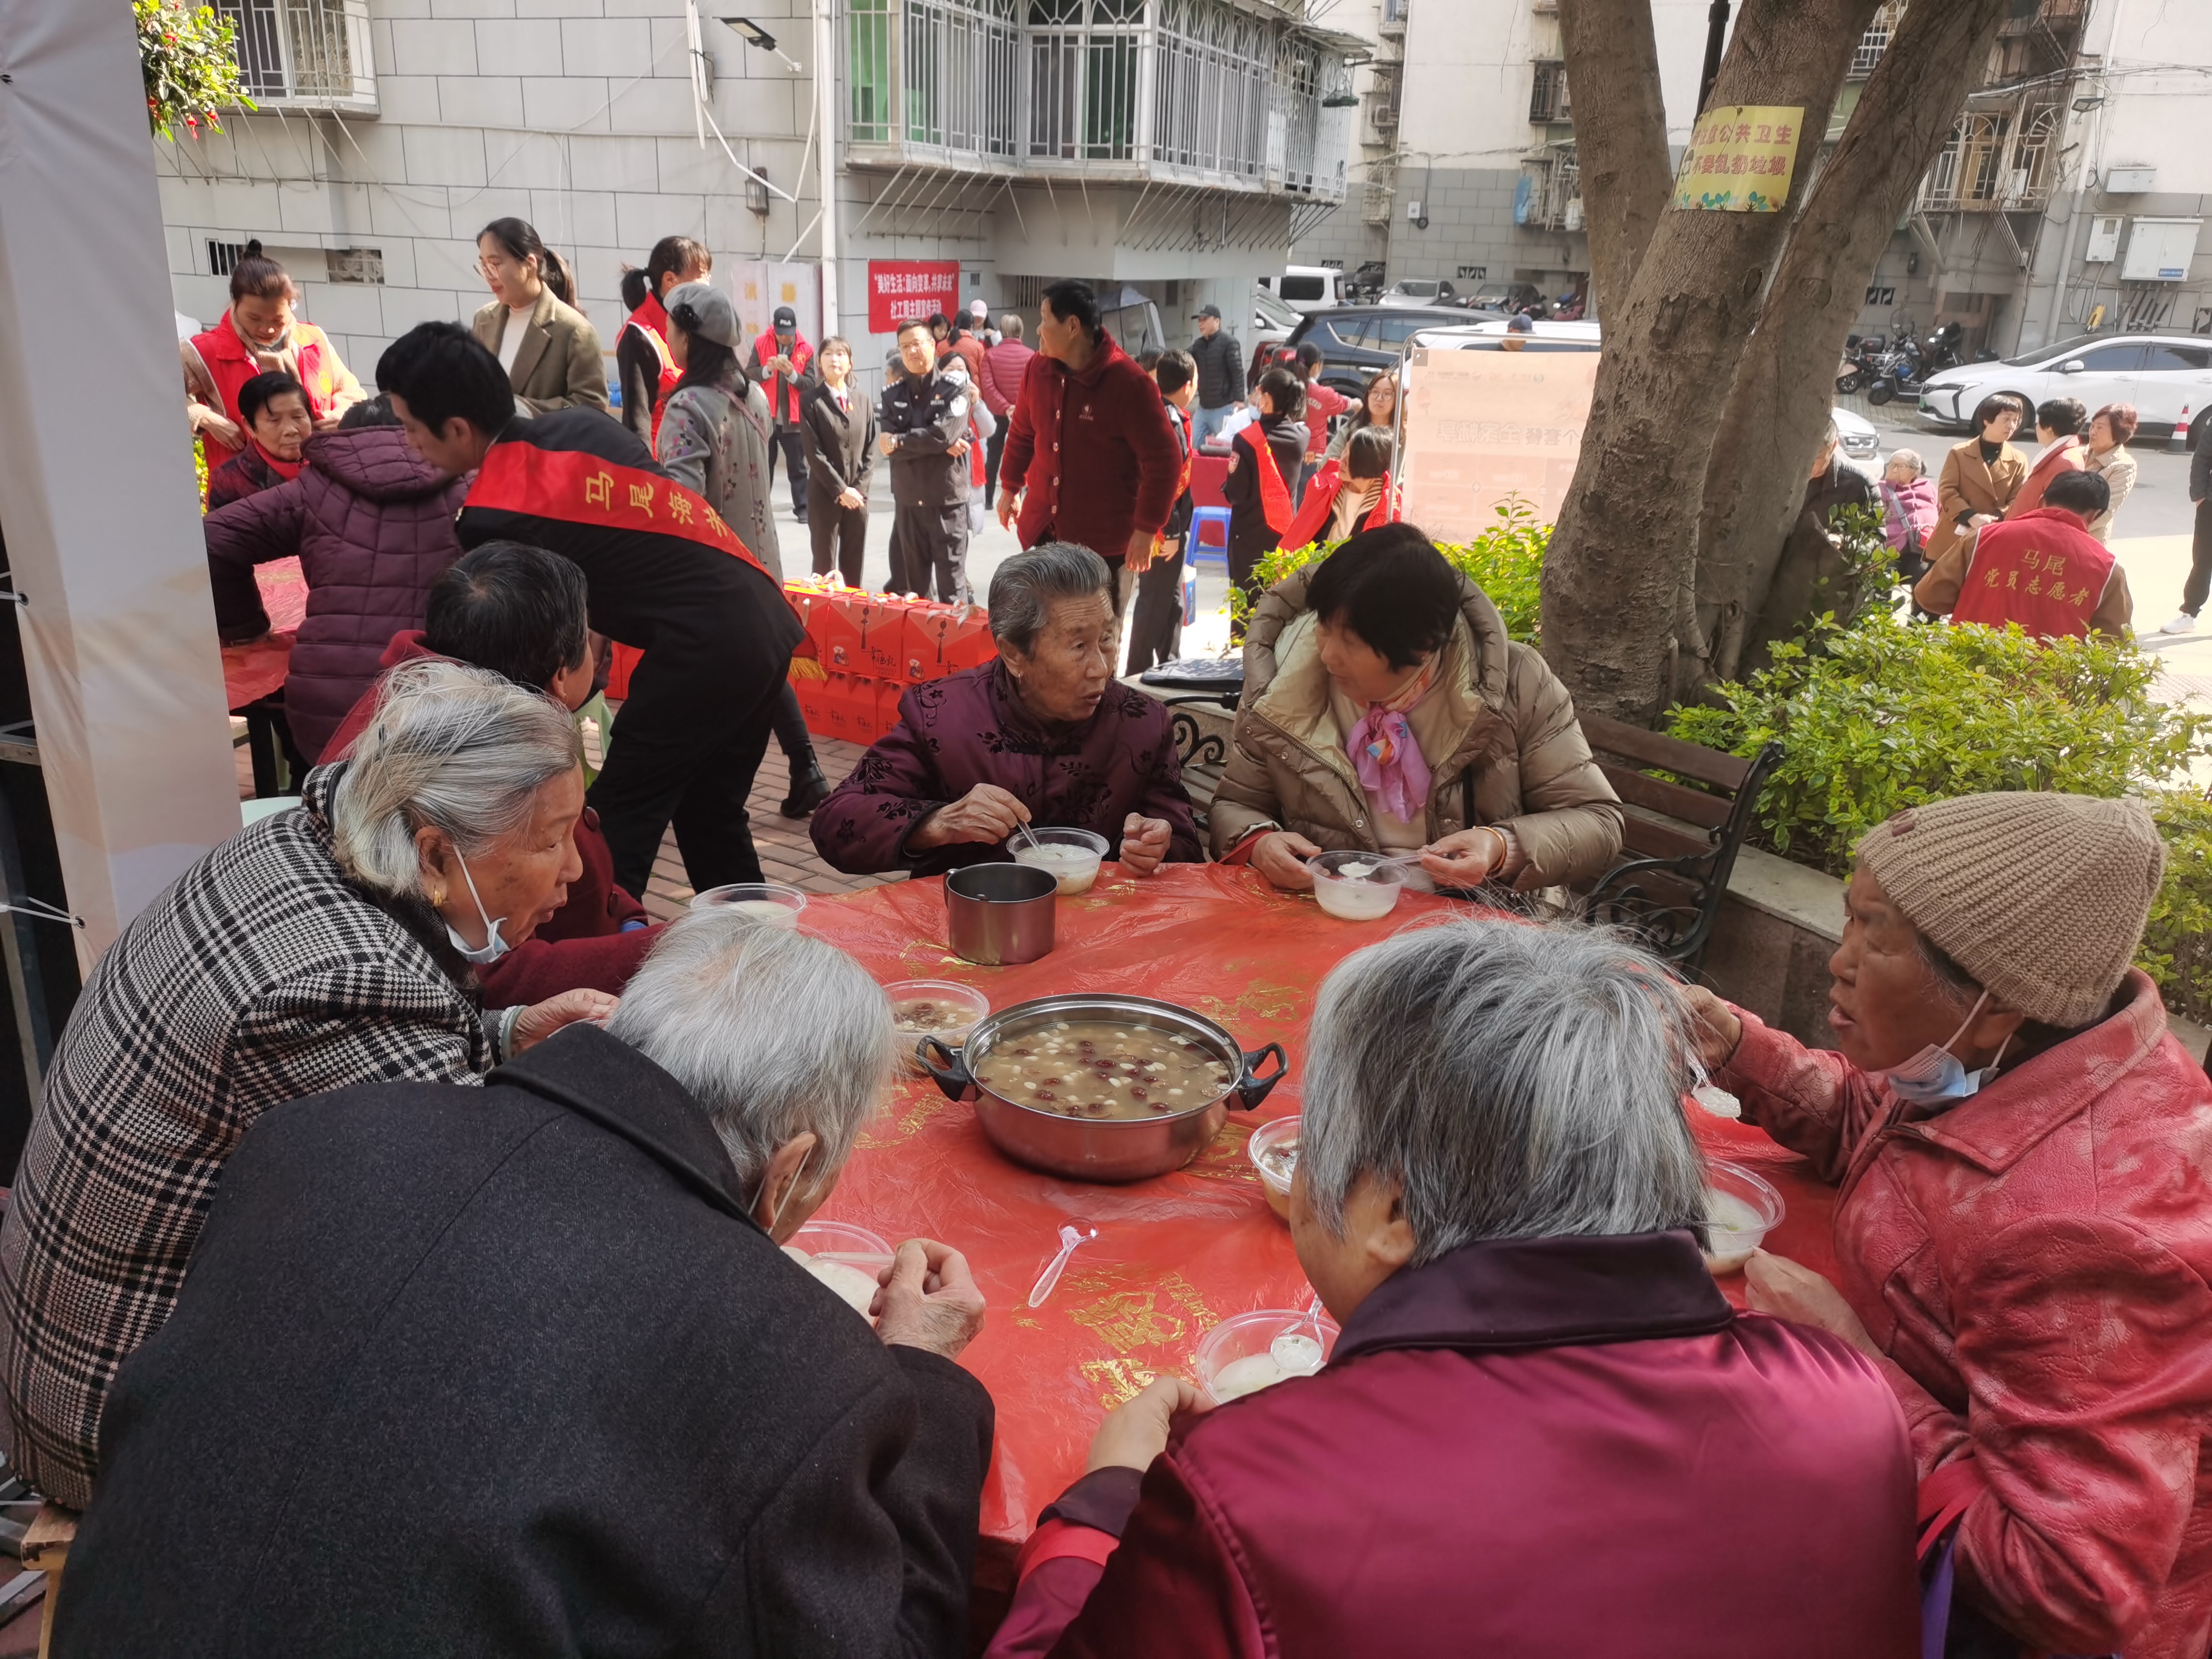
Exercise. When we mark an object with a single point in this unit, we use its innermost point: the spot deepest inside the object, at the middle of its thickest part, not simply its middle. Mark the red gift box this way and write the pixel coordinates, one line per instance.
(888, 693)
(885, 650)
(967, 642)
(843, 642)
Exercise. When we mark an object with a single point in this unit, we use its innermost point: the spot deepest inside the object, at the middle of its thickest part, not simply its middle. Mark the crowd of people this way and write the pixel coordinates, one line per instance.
(263, 1260)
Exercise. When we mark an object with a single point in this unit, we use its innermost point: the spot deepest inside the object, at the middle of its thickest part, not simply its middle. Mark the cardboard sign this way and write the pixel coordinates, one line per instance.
(1740, 160)
(1480, 427)
(900, 289)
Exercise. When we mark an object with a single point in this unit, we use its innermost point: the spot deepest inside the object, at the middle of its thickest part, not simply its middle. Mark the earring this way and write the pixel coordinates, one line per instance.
(437, 898)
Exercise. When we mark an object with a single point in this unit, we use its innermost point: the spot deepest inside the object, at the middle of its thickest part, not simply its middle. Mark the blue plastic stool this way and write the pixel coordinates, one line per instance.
(1190, 593)
(1200, 548)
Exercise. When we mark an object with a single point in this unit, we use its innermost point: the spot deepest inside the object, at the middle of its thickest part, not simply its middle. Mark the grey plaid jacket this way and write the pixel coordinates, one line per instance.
(260, 976)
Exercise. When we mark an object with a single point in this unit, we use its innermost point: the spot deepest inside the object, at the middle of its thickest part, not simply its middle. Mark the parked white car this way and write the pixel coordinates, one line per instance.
(1308, 287)
(1418, 291)
(1272, 319)
(2162, 374)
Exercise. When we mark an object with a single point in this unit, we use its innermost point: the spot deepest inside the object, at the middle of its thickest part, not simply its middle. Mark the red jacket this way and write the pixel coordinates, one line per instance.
(583, 946)
(2071, 455)
(1553, 1449)
(1323, 404)
(2035, 1261)
(1095, 452)
(1004, 366)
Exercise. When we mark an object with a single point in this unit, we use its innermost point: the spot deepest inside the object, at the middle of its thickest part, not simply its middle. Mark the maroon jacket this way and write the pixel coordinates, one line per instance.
(1554, 1448)
(1105, 460)
(373, 524)
(966, 729)
(589, 943)
(1004, 365)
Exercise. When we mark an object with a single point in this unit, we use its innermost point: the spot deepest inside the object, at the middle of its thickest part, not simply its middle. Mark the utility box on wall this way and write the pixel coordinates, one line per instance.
(2104, 239)
(2160, 250)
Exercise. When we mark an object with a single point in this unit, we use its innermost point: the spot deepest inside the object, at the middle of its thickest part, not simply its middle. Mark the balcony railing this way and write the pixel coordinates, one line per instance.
(1994, 162)
(1197, 91)
(304, 54)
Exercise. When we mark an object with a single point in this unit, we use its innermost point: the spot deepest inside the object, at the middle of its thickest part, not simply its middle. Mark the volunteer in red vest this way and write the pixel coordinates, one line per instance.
(646, 373)
(1349, 494)
(2043, 569)
(1090, 456)
(783, 365)
(1264, 457)
(258, 335)
(2058, 426)
(667, 575)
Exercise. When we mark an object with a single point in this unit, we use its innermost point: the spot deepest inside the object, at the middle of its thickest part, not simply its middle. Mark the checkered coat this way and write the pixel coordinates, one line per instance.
(260, 976)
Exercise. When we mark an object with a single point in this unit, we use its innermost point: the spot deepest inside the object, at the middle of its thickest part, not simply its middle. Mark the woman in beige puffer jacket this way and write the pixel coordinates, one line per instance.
(1513, 757)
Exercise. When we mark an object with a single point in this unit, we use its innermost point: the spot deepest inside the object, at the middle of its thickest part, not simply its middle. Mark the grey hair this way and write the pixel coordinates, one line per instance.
(1010, 326)
(461, 748)
(774, 1033)
(1517, 1080)
(1024, 586)
(1919, 466)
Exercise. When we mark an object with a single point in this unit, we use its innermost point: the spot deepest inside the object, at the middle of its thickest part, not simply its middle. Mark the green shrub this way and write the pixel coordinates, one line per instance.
(189, 57)
(2177, 945)
(1506, 563)
(1883, 715)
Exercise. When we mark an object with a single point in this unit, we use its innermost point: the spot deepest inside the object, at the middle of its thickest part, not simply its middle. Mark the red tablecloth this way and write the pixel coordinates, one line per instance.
(1175, 1254)
(251, 672)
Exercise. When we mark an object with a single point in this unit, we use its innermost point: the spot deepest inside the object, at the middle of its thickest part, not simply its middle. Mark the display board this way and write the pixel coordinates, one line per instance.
(758, 287)
(1481, 426)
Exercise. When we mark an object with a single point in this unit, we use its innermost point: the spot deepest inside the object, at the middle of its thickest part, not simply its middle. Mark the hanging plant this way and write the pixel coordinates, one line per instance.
(190, 57)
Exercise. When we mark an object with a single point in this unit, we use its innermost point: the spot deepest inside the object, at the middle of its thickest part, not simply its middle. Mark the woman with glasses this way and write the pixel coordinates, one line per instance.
(549, 348)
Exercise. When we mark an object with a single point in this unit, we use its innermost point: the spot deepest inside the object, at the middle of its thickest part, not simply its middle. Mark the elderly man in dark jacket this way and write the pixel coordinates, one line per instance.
(524, 1372)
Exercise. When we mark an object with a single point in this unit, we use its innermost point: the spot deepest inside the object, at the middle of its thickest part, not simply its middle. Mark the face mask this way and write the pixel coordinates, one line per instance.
(1934, 1075)
(768, 1226)
(494, 946)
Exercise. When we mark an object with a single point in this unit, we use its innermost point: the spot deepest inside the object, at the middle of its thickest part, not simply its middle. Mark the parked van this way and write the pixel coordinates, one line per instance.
(1308, 288)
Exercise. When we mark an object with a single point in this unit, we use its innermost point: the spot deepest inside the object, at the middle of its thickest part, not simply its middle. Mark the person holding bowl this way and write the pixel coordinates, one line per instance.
(1543, 1431)
(1042, 735)
(2024, 1237)
(1385, 710)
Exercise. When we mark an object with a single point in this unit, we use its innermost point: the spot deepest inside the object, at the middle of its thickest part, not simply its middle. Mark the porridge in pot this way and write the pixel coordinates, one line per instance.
(1104, 1068)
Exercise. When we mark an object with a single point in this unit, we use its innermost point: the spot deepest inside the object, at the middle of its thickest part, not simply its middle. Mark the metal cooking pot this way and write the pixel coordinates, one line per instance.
(999, 914)
(1101, 1149)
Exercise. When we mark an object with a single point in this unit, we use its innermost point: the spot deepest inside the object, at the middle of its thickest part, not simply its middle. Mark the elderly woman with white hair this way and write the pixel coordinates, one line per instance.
(550, 1318)
(1043, 734)
(1542, 1430)
(325, 946)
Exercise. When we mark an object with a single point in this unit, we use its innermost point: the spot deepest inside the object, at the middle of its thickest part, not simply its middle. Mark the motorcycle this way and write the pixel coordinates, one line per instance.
(1862, 353)
(1899, 372)
(1941, 351)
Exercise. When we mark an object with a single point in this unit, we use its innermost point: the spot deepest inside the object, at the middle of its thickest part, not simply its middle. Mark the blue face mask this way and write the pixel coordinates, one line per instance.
(494, 946)
(1935, 1075)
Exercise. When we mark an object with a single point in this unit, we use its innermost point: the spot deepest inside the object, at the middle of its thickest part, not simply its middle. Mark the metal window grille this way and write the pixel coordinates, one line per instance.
(959, 61)
(1547, 96)
(223, 256)
(310, 52)
(868, 71)
(1876, 40)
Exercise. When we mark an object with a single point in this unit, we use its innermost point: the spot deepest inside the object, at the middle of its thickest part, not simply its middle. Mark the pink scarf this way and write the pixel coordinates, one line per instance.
(1383, 752)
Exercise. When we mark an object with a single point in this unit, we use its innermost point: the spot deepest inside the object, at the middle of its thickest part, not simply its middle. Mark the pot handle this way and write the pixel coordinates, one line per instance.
(952, 1076)
(1252, 1088)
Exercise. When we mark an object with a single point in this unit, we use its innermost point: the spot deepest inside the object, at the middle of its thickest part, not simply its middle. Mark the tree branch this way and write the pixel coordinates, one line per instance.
(1613, 66)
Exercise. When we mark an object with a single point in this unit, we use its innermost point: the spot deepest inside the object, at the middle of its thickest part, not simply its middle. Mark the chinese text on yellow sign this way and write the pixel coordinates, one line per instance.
(1739, 160)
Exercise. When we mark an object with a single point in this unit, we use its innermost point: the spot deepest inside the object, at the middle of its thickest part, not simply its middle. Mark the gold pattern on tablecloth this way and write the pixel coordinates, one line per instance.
(1223, 1157)
(1185, 1295)
(1123, 1380)
(913, 1104)
(1124, 1319)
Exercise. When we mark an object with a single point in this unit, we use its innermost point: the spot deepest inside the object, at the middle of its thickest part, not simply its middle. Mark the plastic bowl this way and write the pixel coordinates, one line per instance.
(834, 1251)
(1072, 856)
(957, 1007)
(1268, 1145)
(1232, 1358)
(766, 902)
(1356, 886)
(1743, 1208)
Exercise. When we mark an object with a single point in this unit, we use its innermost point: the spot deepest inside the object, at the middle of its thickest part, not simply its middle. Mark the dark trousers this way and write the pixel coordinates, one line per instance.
(1156, 626)
(1245, 553)
(2199, 585)
(842, 531)
(685, 750)
(929, 544)
(794, 467)
(790, 731)
(991, 450)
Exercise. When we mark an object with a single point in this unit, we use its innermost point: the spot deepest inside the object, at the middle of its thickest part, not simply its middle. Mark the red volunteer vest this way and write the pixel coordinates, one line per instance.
(230, 365)
(1322, 491)
(651, 320)
(1275, 503)
(801, 355)
(2042, 570)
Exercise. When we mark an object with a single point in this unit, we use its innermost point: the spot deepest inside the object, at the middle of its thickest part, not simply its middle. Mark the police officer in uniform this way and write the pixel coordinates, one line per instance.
(924, 423)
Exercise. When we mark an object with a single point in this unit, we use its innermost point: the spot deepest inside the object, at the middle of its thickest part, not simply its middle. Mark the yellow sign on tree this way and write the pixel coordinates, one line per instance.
(1739, 160)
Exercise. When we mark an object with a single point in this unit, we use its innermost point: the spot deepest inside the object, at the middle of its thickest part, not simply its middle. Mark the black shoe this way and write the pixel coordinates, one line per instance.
(800, 515)
(808, 791)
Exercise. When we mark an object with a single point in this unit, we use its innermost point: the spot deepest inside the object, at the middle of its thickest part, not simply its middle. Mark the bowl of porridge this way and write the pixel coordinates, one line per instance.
(932, 1007)
(1102, 1087)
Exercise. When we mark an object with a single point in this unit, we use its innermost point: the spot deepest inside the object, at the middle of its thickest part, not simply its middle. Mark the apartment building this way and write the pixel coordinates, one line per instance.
(1171, 150)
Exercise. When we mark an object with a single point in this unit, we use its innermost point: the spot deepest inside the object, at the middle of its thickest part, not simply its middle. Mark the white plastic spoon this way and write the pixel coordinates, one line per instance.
(1069, 1238)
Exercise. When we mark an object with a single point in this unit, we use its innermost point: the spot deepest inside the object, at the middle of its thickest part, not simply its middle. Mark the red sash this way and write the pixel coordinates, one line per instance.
(651, 319)
(1321, 492)
(577, 488)
(1275, 503)
(1180, 422)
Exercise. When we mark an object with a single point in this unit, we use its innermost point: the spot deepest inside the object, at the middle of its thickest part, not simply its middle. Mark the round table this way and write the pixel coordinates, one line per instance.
(1174, 1254)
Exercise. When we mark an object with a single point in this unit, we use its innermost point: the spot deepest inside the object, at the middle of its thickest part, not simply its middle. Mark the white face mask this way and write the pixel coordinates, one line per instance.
(1934, 1075)
(494, 946)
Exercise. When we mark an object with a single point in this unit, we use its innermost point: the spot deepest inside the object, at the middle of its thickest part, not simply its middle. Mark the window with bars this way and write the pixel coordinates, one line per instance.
(1876, 40)
(313, 52)
(1548, 95)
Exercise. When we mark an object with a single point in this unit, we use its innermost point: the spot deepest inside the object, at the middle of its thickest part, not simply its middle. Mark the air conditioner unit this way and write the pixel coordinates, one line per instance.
(2104, 240)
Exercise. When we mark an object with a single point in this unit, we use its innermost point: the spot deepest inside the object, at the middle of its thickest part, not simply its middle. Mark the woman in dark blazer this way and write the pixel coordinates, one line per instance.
(549, 348)
(837, 425)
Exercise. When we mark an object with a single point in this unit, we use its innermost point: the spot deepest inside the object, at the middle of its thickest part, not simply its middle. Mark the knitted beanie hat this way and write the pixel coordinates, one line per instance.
(2041, 897)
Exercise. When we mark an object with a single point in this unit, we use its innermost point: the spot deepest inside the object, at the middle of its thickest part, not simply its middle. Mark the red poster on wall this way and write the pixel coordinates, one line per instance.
(902, 289)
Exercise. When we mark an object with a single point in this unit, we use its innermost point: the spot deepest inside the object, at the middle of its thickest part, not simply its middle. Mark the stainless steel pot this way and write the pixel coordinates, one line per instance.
(1100, 1149)
(999, 914)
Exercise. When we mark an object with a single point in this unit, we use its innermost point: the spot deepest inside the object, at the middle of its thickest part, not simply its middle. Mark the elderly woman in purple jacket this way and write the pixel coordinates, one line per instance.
(1543, 1431)
(1043, 735)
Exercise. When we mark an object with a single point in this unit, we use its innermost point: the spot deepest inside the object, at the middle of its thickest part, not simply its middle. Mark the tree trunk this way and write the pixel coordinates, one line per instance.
(1614, 61)
(1750, 593)
(1618, 584)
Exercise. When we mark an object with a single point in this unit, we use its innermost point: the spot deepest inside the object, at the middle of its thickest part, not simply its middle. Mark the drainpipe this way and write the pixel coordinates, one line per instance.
(2093, 161)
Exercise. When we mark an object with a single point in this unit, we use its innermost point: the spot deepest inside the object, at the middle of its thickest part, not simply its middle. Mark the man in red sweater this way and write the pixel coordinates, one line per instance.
(1089, 456)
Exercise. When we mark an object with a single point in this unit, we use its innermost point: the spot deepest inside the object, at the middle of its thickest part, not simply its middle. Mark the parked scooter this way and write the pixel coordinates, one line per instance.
(1862, 355)
(1941, 351)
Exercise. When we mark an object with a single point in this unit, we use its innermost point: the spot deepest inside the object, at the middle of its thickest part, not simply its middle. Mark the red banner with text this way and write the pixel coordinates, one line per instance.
(902, 289)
